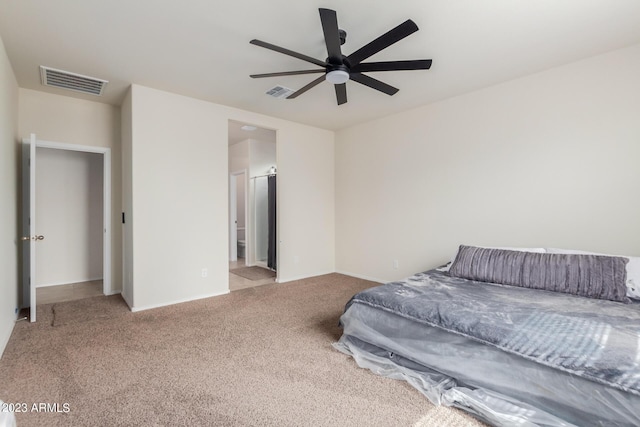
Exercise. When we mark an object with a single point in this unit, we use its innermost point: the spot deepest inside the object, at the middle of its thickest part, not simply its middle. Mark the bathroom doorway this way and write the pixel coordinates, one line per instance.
(252, 205)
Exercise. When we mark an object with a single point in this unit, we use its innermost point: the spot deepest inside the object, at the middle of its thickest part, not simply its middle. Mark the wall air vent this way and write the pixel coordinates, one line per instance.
(71, 81)
(279, 92)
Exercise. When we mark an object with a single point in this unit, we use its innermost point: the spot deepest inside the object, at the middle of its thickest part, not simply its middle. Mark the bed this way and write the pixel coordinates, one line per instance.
(548, 348)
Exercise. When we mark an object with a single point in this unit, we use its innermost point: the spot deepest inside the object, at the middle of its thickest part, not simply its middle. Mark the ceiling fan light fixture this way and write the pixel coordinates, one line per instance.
(337, 77)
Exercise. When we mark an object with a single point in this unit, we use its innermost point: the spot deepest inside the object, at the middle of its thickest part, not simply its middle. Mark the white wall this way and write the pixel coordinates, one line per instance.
(9, 245)
(69, 212)
(546, 160)
(180, 197)
(75, 121)
(262, 155)
(254, 155)
(306, 201)
(239, 156)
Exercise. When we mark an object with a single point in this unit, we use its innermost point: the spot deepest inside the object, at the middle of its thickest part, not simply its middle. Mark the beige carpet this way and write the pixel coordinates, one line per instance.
(254, 273)
(255, 357)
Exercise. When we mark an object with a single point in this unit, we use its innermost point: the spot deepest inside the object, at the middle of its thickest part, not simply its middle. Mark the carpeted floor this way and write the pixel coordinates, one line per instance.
(255, 357)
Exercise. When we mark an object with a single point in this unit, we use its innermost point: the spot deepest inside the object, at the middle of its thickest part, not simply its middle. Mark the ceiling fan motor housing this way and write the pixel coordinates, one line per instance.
(344, 66)
(343, 36)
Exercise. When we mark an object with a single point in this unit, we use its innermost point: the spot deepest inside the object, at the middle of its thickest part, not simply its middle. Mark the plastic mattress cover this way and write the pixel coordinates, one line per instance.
(499, 387)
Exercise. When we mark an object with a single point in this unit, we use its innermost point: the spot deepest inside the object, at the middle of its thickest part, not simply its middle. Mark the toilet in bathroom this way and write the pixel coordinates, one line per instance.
(241, 245)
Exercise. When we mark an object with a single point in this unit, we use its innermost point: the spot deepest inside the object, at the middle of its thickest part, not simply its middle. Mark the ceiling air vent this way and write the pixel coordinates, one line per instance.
(71, 81)
(279, 92)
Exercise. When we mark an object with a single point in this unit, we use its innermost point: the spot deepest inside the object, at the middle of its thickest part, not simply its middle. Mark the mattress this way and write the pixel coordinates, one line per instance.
(511, 356)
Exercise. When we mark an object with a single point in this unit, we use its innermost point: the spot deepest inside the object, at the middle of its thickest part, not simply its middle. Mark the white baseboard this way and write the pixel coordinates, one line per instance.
(67, 282)
(164, 304)
(360, 276)
(306, 276)
(113, 293)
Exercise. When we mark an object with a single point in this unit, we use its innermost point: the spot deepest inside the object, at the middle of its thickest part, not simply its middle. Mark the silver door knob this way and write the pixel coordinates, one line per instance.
(36, 237)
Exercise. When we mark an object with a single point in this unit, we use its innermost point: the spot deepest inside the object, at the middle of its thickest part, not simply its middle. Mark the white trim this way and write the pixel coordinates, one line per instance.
(180, 301)
(106, 221)
(106, 195)
(32, 228)
(71, 147)
(114, 293)
(363, 277)
(309, 276)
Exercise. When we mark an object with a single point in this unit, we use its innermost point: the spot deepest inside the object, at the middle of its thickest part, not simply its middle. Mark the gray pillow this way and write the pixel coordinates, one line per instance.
(592, 276)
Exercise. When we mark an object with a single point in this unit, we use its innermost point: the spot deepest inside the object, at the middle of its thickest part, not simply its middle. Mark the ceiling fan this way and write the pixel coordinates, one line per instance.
(338, 68)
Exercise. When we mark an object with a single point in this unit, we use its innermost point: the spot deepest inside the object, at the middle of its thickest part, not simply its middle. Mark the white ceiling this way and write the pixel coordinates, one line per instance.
(237, 134)
(200, 48)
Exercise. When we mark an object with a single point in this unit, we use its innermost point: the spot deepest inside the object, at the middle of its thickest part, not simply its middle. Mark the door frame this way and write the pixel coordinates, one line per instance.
(106, 202)
(233, 214)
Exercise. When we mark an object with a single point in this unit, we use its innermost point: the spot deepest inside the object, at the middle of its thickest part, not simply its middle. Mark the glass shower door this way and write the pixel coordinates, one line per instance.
(261, 203)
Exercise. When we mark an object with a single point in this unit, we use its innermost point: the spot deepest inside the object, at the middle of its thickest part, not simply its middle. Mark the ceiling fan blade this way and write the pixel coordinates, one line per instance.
(288, 52)
(306, 88)
(418, 64)
(286, 73)
(373, 83)
(329, 21)
(408, 27)
(341, 93)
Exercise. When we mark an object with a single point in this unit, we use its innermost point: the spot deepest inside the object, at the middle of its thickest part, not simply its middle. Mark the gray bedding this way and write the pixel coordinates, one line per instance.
(594, 339)
(592, 276)
(508, 355)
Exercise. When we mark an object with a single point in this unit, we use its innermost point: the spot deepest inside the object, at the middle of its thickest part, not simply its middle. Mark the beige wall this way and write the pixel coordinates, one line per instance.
(75, 121)
(239, 156)
(546, 160)
(69, 212)
(9, 195)
(262, 155)
(180, 197)
(306, 201)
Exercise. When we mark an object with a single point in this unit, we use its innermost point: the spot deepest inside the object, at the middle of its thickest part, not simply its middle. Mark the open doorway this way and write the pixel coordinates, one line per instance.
(66, 222)
(69, 209)
(252, 206)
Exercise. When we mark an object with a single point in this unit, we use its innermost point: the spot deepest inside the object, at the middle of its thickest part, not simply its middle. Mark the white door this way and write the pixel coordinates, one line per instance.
(29, 236)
